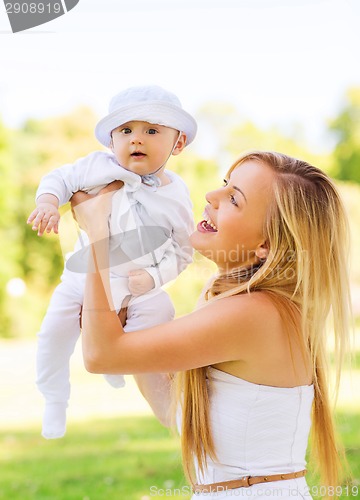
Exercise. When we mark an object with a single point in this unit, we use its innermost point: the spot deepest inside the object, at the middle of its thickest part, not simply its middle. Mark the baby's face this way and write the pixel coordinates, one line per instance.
(143, 147)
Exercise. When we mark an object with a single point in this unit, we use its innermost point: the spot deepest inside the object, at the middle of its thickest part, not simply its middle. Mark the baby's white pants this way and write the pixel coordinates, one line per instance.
(60, 331)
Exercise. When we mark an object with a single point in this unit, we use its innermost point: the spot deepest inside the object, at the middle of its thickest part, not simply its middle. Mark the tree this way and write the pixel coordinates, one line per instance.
(25, 156)
(346, 129)
(10, 247)
(247, 137)
(43, 145)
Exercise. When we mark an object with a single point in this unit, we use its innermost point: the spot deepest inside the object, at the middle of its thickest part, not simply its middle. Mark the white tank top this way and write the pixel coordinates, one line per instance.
(257, 430)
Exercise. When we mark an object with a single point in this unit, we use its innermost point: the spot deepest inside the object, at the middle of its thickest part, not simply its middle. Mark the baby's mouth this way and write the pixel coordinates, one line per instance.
(138, 154)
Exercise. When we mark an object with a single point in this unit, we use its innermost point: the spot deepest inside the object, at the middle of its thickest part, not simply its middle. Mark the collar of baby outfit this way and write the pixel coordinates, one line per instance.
(151, 180)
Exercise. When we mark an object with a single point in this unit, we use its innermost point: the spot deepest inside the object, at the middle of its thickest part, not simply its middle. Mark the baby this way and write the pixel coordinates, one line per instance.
(150, 223)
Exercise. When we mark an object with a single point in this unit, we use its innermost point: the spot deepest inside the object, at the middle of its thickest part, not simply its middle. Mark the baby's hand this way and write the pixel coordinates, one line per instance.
(140, 282)
(45, 217)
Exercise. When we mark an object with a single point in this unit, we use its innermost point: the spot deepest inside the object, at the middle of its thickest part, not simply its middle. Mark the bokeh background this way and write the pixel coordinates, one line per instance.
(256, 74)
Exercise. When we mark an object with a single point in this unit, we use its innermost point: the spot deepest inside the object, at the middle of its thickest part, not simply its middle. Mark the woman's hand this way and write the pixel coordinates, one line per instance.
(92, 211)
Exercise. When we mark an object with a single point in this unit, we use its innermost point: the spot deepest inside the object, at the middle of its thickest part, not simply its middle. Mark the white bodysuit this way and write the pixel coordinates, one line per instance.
(149, 229)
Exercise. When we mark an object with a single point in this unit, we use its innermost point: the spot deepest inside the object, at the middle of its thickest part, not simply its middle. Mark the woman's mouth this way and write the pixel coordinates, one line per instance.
(206, 225)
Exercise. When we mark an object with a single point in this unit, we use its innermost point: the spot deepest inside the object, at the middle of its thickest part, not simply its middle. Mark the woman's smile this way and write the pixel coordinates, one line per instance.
(206, 225)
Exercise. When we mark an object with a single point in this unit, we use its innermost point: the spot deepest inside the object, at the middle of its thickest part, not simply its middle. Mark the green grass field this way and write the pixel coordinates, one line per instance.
(127, 458)
(110, 459)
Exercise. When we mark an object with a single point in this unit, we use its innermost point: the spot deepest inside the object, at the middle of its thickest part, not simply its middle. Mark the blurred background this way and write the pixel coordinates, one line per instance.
(261, 74)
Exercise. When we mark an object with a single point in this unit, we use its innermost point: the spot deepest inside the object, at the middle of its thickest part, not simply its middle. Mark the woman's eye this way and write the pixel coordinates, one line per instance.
(233, 200)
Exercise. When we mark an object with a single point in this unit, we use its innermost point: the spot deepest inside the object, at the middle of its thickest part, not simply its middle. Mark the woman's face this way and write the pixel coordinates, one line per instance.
(231, 233)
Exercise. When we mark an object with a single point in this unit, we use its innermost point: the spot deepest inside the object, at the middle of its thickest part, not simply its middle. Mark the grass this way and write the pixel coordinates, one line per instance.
(128, 458)
(110, 459)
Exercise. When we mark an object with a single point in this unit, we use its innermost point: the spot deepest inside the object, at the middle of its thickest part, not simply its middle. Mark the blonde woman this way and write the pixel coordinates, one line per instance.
(251, 362)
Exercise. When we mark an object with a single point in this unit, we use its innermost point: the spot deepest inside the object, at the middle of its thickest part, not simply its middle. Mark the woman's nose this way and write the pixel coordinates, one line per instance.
(212, 198)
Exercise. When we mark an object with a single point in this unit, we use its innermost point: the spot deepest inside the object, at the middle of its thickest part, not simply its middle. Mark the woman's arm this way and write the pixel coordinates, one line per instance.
(225, 330)
(156, 389)
(219, 332)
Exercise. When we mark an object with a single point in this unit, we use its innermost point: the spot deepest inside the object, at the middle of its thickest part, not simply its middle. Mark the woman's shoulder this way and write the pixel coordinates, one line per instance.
(257, 303)
(250, 315)
(264, 341)
(255, 329)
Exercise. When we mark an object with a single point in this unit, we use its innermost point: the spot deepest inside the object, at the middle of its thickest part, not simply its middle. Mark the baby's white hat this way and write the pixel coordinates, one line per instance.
(149, 103)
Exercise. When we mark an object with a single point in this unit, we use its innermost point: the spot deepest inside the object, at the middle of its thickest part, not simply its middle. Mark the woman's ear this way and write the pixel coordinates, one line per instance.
(181, 143)
(262, 251)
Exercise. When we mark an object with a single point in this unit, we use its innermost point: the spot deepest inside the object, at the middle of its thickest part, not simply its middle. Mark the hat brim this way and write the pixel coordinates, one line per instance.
(160, 113)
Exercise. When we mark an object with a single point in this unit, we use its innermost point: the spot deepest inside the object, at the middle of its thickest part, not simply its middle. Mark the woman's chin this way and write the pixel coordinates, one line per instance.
(197, 243)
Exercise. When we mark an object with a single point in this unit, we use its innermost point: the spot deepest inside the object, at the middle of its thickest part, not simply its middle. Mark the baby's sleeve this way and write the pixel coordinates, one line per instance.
(179, 253)
(89, 173)
(64, 181)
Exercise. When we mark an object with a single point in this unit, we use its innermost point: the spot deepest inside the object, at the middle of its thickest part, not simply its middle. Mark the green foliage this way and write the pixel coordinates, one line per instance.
(25, 156)
(10, 248)
(346, 128)
(234, 135)
(200, 176)
(349, 432)
(42, 145)
(247, 137)
(350, 193)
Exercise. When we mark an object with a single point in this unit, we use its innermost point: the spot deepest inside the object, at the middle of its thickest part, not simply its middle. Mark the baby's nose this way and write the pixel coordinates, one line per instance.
(136, 139)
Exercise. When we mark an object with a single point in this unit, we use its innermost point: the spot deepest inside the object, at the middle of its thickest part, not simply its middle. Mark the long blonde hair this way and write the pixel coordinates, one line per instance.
(305, 272)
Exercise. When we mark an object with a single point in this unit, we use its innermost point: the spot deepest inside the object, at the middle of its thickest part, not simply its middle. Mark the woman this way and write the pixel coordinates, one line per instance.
(251, 361)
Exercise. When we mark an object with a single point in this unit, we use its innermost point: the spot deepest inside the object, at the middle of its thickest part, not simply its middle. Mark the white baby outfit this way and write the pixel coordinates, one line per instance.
(258, 430)
(149, 228)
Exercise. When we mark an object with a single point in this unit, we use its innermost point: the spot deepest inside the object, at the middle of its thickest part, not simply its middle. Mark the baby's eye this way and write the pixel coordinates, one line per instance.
(152, 131)
(126, 130)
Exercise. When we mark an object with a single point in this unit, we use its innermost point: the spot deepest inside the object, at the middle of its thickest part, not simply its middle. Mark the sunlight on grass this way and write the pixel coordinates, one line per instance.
(113, 459)
(105, 456)
(127, 458)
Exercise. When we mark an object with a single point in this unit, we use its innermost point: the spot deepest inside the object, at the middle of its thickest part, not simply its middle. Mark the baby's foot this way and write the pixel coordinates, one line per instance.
(116, 381)
(54, 420)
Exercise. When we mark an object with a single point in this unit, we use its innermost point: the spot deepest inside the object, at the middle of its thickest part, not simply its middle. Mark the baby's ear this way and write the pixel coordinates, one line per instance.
(180, 144)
